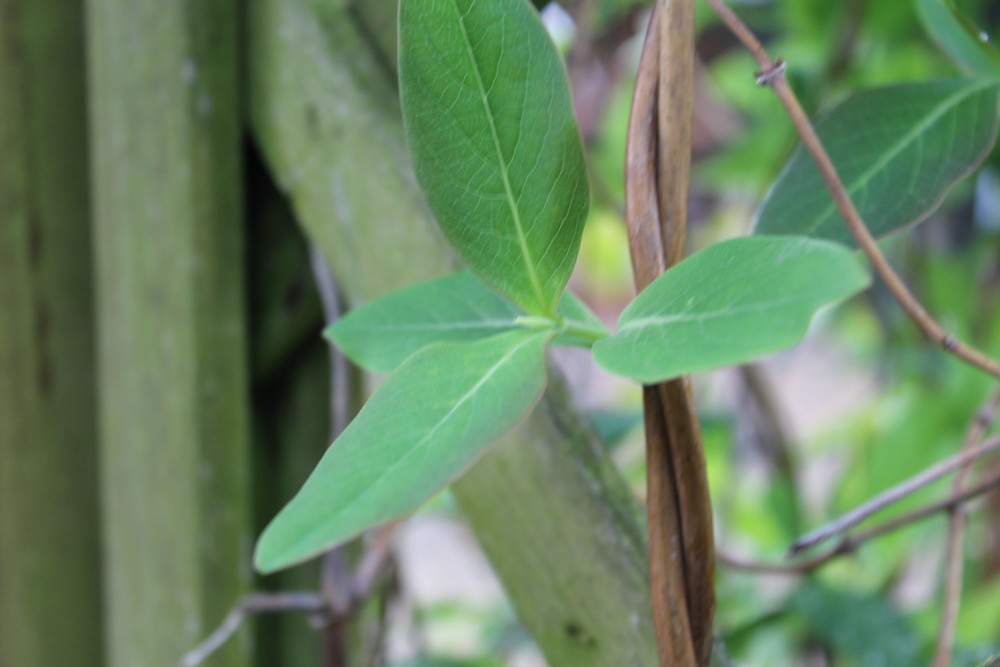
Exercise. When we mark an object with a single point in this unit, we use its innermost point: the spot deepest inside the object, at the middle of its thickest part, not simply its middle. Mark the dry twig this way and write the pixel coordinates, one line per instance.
(251, 605)
(980, 426)
(850, 543)
(681, 548)
(892, 495)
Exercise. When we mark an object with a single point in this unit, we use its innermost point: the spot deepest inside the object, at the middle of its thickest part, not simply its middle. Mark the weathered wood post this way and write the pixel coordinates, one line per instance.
(172, 351)
(50, 606)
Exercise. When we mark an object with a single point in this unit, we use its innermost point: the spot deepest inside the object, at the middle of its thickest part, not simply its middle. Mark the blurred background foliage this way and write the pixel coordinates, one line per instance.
(807, 434)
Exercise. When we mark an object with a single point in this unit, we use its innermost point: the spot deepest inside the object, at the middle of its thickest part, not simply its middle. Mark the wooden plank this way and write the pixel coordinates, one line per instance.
(49, 535)
(172, 349)
(550, 509)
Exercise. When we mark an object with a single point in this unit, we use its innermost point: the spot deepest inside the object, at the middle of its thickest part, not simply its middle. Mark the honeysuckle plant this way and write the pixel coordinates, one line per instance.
(498, 155)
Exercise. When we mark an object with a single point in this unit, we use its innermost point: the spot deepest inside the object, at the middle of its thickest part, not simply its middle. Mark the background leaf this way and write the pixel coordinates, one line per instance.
(863, 628)
(421, 428)
(494, 142)
(953, 33)
(383, 333)
(898, 149)
(727, 304)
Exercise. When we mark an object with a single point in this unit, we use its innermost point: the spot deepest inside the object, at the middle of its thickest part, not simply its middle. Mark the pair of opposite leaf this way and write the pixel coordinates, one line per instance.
(497, 153)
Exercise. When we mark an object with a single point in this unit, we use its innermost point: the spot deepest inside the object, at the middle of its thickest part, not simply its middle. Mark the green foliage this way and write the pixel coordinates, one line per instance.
(382, 334)
(859, 627)
(957, 36)
(447, 662)
(423, 426)
(727, 304)
(490, 124)
(495, 148)
(499, 159)
(898, 149)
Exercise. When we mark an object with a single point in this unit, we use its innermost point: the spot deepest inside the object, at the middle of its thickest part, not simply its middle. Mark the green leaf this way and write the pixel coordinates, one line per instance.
(897, 150)
(381, 334)
(861, 629)
(494, 143)
(581, 327)
(956, 35)
(727, 304)
(420, 429)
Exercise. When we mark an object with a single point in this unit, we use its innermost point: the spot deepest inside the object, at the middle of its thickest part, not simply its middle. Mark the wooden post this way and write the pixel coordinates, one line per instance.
(549, 508)
(172, 350)
(50, 607)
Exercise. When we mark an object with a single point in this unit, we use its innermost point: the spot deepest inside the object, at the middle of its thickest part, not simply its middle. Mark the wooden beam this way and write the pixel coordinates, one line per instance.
(174, 397)
(50, 597)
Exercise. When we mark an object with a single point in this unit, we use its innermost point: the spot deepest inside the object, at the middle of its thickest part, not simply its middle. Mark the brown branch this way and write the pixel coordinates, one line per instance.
(668, 575)
(851, 543)
(892, 495)
(679, 517)
(952, 601)
(772, 74)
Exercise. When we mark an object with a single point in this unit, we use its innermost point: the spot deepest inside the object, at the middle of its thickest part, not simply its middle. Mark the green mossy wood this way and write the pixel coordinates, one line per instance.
(897, 149)
(172, 349)
(565, 541)
(496, 149)
(50, 582)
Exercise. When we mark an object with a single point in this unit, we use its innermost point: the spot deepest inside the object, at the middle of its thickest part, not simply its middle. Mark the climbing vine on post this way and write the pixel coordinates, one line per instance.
(498, 155)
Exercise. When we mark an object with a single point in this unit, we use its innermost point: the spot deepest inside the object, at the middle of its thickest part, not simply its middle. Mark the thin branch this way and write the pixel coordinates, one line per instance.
(850, 543)
(340, 387)
(324, 612)
(335, 572)
(892, 495)
(974, 436)
(252, 605)
(772, 74)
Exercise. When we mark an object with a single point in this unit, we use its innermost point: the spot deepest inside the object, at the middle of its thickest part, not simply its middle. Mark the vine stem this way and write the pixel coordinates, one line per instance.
(850, 543)
(772, 74)
(919, 481)
(954, 565)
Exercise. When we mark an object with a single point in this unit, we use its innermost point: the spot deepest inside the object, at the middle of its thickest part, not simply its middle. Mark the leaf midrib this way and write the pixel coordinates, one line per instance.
(387, 472)
(643, 323)
(470, 325)
(515, 213)
(898, 147)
